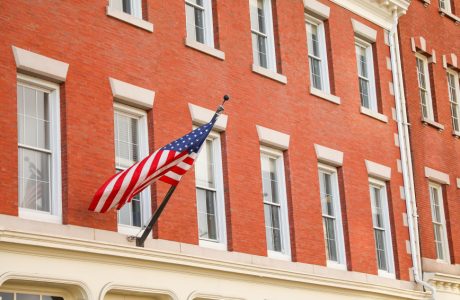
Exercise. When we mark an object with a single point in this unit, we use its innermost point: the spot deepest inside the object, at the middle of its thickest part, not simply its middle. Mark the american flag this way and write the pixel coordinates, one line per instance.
(167, 164)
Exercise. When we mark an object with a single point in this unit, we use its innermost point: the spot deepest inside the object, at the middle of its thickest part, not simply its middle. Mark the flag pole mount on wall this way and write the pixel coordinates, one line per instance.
(147, 231)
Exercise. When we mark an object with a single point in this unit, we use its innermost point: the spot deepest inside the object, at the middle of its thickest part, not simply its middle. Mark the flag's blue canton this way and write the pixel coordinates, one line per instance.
(191, 142)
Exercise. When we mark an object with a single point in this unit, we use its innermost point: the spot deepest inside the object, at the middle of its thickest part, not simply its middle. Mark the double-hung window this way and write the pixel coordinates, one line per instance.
(454, 99)
(365, 64)
(317, 55)
(39, 149)
(28, 296)
(199, 21)
(382, 228)
(130, 7)
(210, 194)
(332, 216)
(445, 5)
(275, 203)
(131, 145)
(263, 43)
(439, 222)
(424, 88)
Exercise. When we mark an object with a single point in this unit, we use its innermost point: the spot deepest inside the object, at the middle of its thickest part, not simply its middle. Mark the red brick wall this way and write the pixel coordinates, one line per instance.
(97, 47)
(430, 147)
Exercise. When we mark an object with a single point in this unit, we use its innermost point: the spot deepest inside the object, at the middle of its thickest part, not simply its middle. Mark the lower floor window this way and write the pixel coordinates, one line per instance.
(21, 296)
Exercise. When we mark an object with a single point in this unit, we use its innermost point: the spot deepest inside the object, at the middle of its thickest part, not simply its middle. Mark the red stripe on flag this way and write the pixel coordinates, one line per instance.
(169, 180)
(99, 193)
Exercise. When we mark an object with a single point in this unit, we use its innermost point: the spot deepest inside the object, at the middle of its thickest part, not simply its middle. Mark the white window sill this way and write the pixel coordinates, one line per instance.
(278, 255)
(335, 265)
(205, 49)
(456, 134)
(433, 123)
(386, 274)
(39, 216)
(117, 14)
(270, 74)
(374, 114)
(441, 261)
(130, 230)
(325, 96)
(449, 15)
(213, 245)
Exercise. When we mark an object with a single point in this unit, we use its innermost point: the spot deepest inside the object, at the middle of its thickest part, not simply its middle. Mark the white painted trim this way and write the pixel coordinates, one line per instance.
(201, 116)
(40, 65)
(458, 183)
(437, 176)
(364, 31)
(130, 19)
(325, 96)
(317, 8)
(328, 155)
(131, 94)
(205, 48)
(377, 170)
(269, 74)
(273, 138)
(374, 114)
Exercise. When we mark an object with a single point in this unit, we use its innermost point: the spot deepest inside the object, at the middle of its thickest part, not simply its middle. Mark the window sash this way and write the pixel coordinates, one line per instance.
(424, 87)
(317, 54)
(366, 80)
(445, 5)
(439, 222)
(454, 98)
(131, 7)
(199, 21)
(263, 44)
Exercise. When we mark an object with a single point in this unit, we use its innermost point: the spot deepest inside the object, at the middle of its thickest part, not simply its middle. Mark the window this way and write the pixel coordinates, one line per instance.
(131, 7)
(317, 55)
(382, 228)
(424, 87)
(210, 194)
(454, 98)
(365, 64)
(332, 216)
(275, 204)
(445, 5)
(439, 223)
(131, 145)
(263, 45)
(39, 149)
(199, 21)
(23, 296)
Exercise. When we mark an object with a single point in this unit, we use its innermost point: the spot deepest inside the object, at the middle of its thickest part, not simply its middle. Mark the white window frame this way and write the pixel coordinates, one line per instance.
(445, 242)
(454, 99)
(324, 65)
(136, 7)
(145, 195)
(221, 242)
(447, 5)
(208, 21)
(54, 101)
(285, 254)
(426, 89)
(341, 253)
(271, 53)
(370, 71)
(382, 186)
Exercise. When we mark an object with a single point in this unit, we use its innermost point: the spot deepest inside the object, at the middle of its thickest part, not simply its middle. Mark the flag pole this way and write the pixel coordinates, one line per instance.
(141, 240)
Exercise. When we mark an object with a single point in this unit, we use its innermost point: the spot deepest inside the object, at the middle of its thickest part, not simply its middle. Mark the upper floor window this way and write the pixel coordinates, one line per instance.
(131, 7)
(199, 21)
(210, 194)
(263, 43)
(131, 145)
(382, 228)
(332, 216)
(39, 149)
(454, 99)
(275, 203)
(365, 64)
(439, 222)
(317, 55)
(423, 76)
(445, 5)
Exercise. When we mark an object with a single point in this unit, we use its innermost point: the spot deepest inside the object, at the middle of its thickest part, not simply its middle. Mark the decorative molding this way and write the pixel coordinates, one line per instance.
(132, 94)
(201, 115)
(450, 61)
(437, 176)
(317, 9)
(37, 64)
(273, 138)
(419, 44)
(329, 156)
(269, 74)
(444, 282)
(127, 18)
(377, 170)
(364, 31)
(205, 49)
(147, 291)
(325, 96)
(203, 296)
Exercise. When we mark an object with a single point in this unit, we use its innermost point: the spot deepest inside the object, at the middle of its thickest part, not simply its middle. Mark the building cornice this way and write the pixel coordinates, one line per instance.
(444, 282)
(379, 12)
